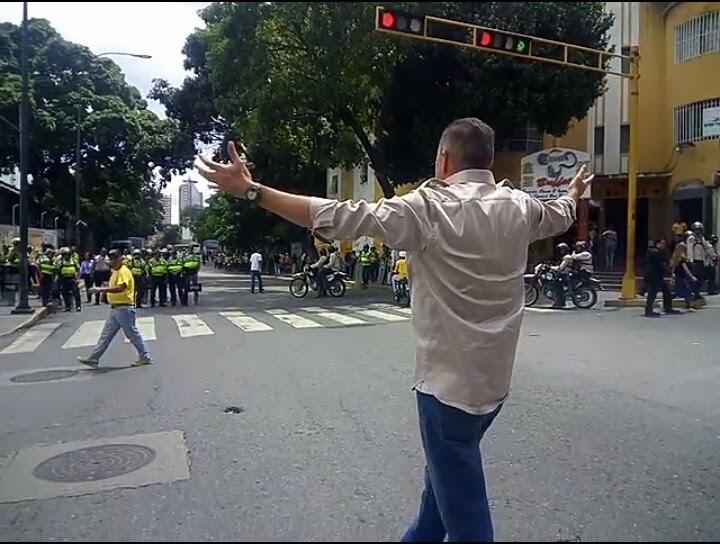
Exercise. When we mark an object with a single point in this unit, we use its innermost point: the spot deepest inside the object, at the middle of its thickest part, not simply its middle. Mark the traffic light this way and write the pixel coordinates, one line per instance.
(399, 21)
(502, 41)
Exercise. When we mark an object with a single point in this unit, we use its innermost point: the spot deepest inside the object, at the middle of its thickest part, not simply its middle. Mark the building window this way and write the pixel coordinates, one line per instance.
(625, 62)
(599, 147)
(696, 122)
(624, 139)
(526, 139)
(335, 181)
(697, 36)
(364, 172)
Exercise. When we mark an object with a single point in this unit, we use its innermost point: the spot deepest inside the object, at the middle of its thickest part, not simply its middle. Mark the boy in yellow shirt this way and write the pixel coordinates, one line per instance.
(121, 297)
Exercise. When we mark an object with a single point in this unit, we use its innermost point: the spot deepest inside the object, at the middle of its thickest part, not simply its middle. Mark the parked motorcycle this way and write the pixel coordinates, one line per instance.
(579, 286)
(304, 281)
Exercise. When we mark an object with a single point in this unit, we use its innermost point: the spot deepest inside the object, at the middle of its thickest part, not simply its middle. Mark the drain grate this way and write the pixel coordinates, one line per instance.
(94, 463)
(44, 376)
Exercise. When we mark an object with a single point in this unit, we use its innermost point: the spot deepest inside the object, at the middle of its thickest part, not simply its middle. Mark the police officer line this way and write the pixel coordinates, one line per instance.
(192, 325)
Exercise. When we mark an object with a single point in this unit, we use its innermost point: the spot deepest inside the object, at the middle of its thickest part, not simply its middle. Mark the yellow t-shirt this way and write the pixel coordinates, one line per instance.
(679, 228)
(120, 276)
(401, 269)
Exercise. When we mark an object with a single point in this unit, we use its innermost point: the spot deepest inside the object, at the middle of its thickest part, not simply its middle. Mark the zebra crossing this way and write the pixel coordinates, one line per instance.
(189, 326)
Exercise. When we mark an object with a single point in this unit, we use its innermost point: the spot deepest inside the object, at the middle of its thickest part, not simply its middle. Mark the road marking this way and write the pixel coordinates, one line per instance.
(338, 318)
(541, 310)
(386, 306)
(191, 325)
(31, 339)
(87, 335)
(146, 326)
(383, 315)
(350, 308)
(294, 320)
(245, 322)
(406, 311)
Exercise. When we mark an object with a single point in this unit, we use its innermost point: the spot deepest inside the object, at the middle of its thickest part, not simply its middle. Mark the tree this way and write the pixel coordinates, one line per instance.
(171, 235)
(127, 151)
(312, 78)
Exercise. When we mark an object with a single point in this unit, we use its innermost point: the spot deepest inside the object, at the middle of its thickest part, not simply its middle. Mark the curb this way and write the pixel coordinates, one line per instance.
(29, 322)
(640, 303)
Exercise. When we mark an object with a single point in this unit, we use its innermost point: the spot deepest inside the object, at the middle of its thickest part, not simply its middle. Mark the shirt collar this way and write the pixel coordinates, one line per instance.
(471, 175)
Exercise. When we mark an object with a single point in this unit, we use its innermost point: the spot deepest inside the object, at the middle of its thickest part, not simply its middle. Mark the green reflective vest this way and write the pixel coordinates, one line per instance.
(175, 265)
(137, 266)
(365, 258)
(374, 257)
(158, 267)
(68, 269)
(192, 263)
(47, 265)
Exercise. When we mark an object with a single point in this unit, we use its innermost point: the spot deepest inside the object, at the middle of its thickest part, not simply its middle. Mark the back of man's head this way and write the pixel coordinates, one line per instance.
(465, 144)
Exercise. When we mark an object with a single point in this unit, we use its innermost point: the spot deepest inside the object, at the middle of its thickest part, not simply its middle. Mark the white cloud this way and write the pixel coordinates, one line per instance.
(154, 28)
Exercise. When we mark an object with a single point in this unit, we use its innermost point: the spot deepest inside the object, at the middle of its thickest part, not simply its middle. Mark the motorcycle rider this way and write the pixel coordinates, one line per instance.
(320, 270)
(582, 258)
(562, 269)
(400, 271)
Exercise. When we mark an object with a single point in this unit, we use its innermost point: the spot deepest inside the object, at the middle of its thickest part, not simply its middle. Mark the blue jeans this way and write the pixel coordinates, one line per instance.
(256, 274)
(454, 502)
(120, 318)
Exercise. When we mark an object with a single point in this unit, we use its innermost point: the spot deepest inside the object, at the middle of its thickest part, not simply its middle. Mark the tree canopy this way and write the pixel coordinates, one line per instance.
(127, 152)
(312, 85)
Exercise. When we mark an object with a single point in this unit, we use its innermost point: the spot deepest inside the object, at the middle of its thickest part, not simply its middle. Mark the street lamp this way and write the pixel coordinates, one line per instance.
(23, 306)
(78, 175)
(42, 216)
(14, 222)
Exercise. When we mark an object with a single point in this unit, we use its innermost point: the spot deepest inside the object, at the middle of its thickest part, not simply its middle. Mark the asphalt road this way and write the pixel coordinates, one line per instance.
(610, 432)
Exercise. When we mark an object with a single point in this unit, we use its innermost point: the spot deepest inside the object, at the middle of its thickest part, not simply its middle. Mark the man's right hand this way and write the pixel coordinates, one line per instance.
(580, 183)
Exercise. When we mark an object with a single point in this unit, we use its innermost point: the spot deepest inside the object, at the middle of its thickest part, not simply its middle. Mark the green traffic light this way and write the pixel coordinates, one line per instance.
(520, 47)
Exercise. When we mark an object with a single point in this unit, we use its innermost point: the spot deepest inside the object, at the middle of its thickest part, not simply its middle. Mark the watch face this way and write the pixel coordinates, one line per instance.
(252, 193)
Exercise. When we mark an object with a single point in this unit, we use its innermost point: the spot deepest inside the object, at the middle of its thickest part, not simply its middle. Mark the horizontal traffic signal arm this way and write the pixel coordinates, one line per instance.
(436, 29)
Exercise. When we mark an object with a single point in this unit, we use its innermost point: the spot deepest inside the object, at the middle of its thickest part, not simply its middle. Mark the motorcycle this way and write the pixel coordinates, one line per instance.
(580, 286)
(304, 281)
(402, 294)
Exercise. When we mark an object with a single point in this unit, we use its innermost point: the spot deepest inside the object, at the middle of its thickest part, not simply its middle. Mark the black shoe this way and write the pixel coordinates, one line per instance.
(78, 309)
(97, 304)
(652, 314)
(163, 305)
(68, 309)
(262, 290)
(672, 311)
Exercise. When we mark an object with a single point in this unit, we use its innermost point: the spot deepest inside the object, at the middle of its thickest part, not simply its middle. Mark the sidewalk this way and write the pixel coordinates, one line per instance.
(10, 322)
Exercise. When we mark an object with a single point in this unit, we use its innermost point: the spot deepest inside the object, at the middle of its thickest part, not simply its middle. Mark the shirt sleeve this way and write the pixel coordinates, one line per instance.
(399, 221)
(550, 218)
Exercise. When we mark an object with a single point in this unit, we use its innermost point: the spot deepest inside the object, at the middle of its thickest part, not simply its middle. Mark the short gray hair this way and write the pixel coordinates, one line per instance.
(470, 142)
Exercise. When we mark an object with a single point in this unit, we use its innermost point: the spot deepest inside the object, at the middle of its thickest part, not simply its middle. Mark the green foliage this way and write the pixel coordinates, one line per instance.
(127, 152)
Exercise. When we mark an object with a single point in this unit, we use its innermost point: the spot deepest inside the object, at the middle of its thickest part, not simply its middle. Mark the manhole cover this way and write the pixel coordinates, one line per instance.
(44, 376)
(94, 463)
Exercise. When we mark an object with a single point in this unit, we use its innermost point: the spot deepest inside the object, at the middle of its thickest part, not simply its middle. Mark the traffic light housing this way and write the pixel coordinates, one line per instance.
(392, 20)
(502, 41)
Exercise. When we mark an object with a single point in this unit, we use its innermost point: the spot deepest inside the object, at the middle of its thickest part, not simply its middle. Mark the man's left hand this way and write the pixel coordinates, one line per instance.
(233, 178)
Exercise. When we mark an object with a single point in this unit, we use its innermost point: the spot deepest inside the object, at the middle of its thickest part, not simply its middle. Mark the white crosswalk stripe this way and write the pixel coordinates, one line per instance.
(386, 306)
(246, 323)
(334, 316)
(383, 315)
(294, 320)
(29, 341)
(87, 335)
(191, 325)
(406, 311)
(146, 326)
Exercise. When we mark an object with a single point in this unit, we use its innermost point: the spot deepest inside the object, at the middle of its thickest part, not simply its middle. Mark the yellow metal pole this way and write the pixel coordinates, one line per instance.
(629, 290)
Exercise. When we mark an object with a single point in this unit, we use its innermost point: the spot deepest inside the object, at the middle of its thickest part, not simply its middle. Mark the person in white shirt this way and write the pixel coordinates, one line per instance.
(256, 271)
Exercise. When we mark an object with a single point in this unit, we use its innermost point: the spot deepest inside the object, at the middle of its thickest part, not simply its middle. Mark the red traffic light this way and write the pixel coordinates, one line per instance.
(399, 21)
(485, 39)
(387, 20)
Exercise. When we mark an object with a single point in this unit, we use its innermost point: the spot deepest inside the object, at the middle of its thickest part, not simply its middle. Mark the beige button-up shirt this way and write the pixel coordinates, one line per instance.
(467, 241)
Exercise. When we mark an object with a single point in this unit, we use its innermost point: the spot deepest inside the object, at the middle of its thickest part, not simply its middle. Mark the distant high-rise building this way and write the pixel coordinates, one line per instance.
(190, 197)
(166, 201)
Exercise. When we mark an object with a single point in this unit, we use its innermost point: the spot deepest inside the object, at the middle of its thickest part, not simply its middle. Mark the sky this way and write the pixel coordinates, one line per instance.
(154, 28)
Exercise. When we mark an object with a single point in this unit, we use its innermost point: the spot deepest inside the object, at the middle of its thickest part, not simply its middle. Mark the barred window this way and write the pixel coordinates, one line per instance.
(696, 122)
(697, 36)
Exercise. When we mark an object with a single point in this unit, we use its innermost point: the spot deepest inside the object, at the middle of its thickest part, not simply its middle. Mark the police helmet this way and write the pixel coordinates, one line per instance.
(137, 252)
(563, 248)
(697, 226)
(402, 254)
